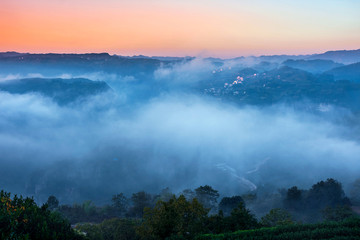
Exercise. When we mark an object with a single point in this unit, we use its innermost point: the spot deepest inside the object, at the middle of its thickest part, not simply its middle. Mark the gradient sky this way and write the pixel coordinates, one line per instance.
(224, 28)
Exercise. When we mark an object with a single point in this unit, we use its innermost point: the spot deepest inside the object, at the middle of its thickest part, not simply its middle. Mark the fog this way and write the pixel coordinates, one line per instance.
(173, 138)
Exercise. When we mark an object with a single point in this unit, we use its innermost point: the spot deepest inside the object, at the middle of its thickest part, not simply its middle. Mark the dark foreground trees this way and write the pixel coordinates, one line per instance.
(179, 218)
(175, 218)
(325, 200)
(182, 217)
(21, 218)
(227, 204)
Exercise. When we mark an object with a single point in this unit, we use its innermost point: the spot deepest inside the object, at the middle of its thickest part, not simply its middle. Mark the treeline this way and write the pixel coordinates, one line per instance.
(325, 200)
(189, 215)
(133, 207)
(193, 213)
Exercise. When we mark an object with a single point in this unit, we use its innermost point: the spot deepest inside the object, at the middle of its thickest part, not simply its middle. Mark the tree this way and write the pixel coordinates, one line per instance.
(227, 204)
(165, 195)
(21, 218)
(189, 194)
(89, 208)
(277, 217)
(293, 199)
(241, 219)
(328, 193)
(120, 203)
(207, 196)
(355, 192)
(175, 218)
(52, 203)
(293, 194)
(216, 224)
(139, 201)
(250, 197)
(338, 213)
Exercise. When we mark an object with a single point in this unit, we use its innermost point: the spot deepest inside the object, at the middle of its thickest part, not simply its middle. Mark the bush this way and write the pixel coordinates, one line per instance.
(348, 229)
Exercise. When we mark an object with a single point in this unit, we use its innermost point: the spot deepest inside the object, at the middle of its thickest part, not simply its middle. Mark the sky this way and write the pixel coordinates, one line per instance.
(226, 28)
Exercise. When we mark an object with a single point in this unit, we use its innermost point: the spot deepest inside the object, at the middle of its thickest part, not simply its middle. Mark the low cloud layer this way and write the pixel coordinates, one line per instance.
(104, 146)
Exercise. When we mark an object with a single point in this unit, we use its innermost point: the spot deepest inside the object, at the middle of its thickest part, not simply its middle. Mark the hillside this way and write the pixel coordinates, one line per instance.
(340, 56)
(312, 66)
(62, 91)
(349, 72)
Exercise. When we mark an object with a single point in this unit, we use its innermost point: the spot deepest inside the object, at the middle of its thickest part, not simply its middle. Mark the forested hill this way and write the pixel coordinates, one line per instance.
(62, 91)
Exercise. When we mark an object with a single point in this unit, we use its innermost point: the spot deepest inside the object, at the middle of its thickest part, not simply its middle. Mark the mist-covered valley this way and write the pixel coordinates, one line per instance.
(88, 126)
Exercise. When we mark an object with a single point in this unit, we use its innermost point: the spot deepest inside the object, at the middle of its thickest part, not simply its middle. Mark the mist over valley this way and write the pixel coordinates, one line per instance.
(88, 126)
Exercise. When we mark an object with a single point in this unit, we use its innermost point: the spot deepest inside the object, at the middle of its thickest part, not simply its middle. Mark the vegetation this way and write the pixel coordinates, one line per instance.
(21, 218)
(277, 217)
(227, 204)
(176, 217)
(207, 196)
(309, 205)
(110, 229)
(348, 229)
(191, 215)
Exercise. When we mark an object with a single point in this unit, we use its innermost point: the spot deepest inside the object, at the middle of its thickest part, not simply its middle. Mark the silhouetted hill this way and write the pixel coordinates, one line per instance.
(248, 71)
(265, 66)
(56, 64)
(349, 72)
(341, 56)
(11, 54)
(313, 66)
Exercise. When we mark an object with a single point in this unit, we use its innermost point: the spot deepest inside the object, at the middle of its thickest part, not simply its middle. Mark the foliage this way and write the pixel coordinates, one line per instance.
(52, 203)
(183, 217)
(337, 213)
(308, 205)
(21, 218)
(355, 192)
(276, 217)
(140, 201)
(328, 193)
(249, 197)
(120, 204)
(165, 195)
(227, 204)
(207, 196)
(189, 194)
(348, 229)
(110, 229)
(175, 218)
(293, 199)
(240, 218)
(86, 212)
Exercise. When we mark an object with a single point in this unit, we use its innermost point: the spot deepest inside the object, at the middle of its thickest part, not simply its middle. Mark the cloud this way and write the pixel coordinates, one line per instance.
(154, 133)
(94, 150)
(19, 76)
(186, 72)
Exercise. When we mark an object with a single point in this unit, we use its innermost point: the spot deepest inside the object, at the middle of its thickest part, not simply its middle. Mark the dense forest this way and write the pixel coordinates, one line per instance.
(321, 212)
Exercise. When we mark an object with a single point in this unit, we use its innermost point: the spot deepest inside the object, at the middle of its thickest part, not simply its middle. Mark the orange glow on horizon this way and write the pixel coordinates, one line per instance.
(160, 29)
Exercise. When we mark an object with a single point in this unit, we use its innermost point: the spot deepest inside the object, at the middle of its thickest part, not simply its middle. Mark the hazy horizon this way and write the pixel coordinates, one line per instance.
(200, 55)
(198, 28)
